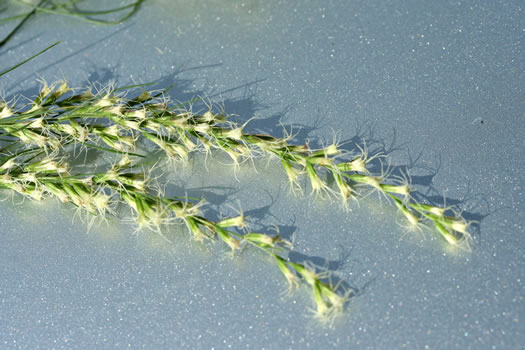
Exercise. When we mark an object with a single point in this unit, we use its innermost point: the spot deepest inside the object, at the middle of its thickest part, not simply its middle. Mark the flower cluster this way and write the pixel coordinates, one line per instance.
(38, 137)
(118, 122)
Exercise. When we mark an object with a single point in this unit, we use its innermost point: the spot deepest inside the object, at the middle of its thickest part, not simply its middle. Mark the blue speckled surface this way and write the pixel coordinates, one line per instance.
(415, 77)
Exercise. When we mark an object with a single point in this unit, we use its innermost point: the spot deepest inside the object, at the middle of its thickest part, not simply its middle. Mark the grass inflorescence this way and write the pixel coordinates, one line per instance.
(110, 118)
(38, 137)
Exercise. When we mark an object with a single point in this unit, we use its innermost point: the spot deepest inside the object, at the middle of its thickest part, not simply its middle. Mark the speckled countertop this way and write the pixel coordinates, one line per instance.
(439, 85)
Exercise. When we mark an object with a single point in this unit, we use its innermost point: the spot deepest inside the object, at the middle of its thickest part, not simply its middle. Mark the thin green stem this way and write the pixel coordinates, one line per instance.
(86, 15)
(29, 59)
(20, 24)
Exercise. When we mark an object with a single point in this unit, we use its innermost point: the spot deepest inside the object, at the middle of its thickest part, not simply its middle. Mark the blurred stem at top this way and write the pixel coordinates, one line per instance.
(68, 8)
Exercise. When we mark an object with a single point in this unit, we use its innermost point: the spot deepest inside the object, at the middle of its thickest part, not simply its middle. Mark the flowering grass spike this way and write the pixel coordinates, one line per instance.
(37, 139)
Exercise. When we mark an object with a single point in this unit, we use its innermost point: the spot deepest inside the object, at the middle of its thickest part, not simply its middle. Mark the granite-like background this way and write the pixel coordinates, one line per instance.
(439, 86)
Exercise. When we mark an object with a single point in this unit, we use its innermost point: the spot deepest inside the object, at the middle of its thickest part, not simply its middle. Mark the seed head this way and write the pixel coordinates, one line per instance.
(62, 89)
(237, 221)
(287, 272)
(124, 163)
(460, 225)
(5, 111)
(66, 129)
(336, 301)
(45, 90)
(131, 124)
(198, 233)
(345, 190)
(291, 172)
(322, 311)
(309, 275)
(357, 165)
(449, 236)
(235, 134)
(184, 210)
(411, 217)
(331, 150)
(263, 239)
(139, 114)
(227, 238)
(105, 101)
(208, 116)
(152, 125)
(403, 190)
(9, 164)
(439, 212)
(318, 185)
(28, 177)
(48, 165)
(203, 128)
(57, 190)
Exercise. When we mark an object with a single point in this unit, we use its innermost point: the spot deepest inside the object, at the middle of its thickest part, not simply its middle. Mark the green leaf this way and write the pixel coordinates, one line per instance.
(29, 59)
